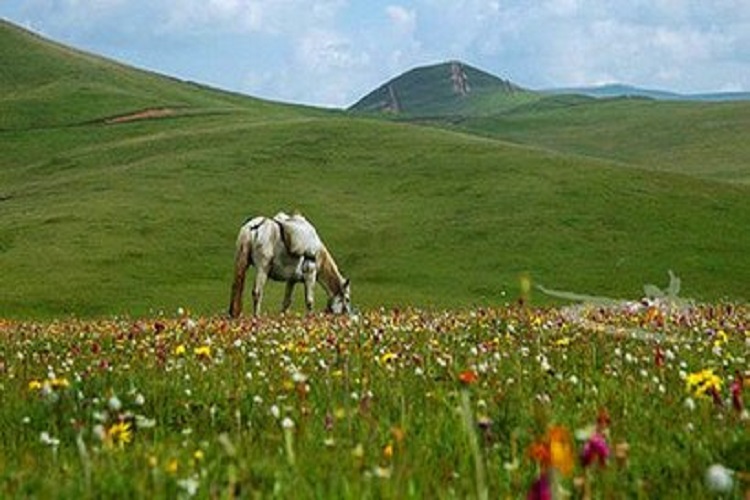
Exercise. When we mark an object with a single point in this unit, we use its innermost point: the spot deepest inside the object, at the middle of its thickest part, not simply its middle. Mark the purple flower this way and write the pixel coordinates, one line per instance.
(541, 489)
(595, 449)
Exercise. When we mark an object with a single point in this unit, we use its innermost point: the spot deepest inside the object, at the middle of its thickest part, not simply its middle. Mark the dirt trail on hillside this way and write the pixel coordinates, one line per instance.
(146, 114)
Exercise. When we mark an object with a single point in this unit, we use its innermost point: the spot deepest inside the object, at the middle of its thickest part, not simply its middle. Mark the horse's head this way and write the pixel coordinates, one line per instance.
(341, 302)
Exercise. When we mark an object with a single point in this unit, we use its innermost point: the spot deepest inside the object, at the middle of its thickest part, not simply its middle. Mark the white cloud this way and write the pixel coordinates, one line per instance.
(275, 17)
(322, 50)
(331, 52)
(403, 19)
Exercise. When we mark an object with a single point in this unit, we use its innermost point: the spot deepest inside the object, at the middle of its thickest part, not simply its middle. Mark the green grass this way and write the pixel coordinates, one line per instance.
(125, 221)
(140, 217)
(311, 407)
(705, 140)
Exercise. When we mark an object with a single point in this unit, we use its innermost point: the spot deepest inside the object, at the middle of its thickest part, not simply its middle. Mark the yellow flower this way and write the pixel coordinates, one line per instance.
(721, 338)
(388, 358)
(203, 351)
(704, 382)
(561, 450)
(58, 383)
(179, 350)
(563, 342)
(120, 434)
(199, 455)
(172, 466)
(35, 385)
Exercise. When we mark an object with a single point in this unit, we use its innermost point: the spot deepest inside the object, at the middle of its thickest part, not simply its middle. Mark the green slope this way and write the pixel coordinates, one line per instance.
(45, 84)
(701, 139)
(130, 218)
(451, 88)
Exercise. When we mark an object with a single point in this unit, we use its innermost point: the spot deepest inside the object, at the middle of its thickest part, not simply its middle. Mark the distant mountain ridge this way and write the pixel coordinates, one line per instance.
(621, 90)
(451, 87)
(455, 88)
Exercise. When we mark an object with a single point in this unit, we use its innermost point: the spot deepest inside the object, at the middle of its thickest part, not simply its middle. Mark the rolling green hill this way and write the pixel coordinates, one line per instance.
(45, 84)
(702, 139)
(101, 218)
(451, 88)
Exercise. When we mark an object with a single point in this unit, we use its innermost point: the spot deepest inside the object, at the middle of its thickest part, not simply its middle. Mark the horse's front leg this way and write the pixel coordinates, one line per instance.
(261, 276)
(287, 296)
(310, 277)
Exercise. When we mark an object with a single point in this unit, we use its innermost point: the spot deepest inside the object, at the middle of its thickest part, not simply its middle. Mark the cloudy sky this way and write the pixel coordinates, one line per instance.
(332, 52)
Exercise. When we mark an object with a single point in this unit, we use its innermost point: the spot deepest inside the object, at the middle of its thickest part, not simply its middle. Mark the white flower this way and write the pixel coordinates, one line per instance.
(382, 472)
(114, 403)
(275, 412)
(45, 438)
(99, 432)
(190, 485)
(287, 423)
(718, 478)
(142, 422)
(689, 404)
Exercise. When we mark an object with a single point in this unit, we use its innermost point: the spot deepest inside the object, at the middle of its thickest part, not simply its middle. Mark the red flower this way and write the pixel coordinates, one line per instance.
(658, 357)
(468, 377)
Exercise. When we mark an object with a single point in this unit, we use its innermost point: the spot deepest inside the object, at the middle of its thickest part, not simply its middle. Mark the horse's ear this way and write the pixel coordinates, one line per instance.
(347, 282)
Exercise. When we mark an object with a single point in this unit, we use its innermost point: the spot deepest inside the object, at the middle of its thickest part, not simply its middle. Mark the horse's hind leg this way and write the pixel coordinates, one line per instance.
(287, 296)
(261, 276)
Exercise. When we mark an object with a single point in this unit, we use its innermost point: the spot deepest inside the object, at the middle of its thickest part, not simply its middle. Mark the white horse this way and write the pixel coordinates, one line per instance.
(286, 248)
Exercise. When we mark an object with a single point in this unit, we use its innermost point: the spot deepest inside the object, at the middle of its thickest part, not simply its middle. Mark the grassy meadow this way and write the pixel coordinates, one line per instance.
(628, 401)
(138, 217)
(122, 377)
(700, 139)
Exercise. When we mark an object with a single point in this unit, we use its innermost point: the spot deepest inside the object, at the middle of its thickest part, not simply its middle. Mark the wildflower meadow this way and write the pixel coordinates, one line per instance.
(634, 400)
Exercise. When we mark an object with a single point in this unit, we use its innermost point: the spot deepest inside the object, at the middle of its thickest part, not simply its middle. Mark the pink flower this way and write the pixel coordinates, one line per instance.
(541, 489)
(736, 389)
(595, 450)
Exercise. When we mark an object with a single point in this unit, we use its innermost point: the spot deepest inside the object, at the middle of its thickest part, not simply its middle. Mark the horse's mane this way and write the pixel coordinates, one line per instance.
(329, 273)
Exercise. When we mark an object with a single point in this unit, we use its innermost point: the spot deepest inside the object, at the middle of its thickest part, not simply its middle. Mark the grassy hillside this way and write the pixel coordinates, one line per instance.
(701, 139)
(44, 84)
(100, 219)
(442, 89)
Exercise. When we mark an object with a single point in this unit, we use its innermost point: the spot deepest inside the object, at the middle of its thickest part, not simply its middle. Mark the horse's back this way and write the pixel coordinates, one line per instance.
(300, 237)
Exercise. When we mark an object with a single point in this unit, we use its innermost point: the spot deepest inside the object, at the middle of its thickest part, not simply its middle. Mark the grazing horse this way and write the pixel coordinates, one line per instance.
(286, 248)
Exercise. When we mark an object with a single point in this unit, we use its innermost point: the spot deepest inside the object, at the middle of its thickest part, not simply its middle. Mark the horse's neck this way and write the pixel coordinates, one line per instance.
(328, 273)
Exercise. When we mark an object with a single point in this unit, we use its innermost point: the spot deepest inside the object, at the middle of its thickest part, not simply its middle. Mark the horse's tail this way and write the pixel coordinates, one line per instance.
(242, 261)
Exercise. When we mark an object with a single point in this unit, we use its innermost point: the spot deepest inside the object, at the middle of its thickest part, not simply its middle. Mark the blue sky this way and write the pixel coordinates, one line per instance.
(332, 52)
